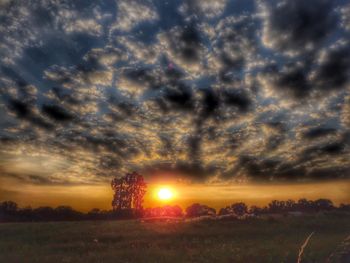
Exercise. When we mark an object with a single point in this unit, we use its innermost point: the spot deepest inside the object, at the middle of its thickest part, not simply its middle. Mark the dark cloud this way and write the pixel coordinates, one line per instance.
(334, 68)
(21, 109)
(262, 169)
(276, 169)
(294, 78)
(315, 74)
(186, 43)
(297, 26)
(64, 95)
(235, 44)
(274, 141)
(182, 169)
(329, 173)
(238, 99)
(57, 113)
(318, 132)
(332, 148)
(180, 97)
(210, 103)
(25, 111)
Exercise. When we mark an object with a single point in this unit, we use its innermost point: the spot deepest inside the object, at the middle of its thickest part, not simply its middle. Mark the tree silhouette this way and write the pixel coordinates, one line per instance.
(276, 206)
(129, 191)
(10, 212)
(196, 210)
(238, 209)
(8, 206)
(323, 204)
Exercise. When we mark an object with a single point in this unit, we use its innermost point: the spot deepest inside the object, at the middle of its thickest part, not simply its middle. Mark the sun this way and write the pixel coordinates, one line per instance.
(165, 194)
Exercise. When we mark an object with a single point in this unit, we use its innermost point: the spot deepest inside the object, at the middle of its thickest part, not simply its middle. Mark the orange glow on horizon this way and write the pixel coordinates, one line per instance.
(86, 197)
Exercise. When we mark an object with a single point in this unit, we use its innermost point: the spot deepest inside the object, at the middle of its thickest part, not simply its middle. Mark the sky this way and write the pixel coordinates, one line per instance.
(222, 100)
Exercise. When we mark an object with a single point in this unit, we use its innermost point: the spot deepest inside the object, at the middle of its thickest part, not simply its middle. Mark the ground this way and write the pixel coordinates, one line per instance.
(250, 240)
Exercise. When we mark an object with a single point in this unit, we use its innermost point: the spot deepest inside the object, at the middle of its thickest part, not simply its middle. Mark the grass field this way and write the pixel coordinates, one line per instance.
(204, 241)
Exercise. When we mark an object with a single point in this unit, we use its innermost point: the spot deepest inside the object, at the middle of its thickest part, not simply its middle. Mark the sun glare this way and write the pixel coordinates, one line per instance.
(165, 194)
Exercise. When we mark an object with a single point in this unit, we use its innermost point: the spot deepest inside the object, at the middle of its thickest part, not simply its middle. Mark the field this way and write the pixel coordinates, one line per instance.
(203, 241)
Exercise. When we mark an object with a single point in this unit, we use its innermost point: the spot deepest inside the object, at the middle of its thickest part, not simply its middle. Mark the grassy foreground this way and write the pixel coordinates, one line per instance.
(204, 241)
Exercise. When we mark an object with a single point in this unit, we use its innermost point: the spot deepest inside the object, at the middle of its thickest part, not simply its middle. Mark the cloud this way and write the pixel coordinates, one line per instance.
(235, 44)
(206, 90)
(313, 76)
(88, 26)
(290, 80)
(131, 13)
(333, 69)
(57, 113)
(26, 112)
(184, 45)
(345, 112)
(30, 25)
(205, 8)
(318, 132)
(294, 27)
(345, 10)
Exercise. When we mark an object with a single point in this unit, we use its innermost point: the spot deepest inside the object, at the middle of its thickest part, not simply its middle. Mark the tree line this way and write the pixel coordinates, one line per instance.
(11, 212)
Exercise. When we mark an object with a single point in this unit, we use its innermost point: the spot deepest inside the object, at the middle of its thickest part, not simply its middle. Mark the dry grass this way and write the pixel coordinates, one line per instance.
(301, 250)
(342, 253)
(204, 241)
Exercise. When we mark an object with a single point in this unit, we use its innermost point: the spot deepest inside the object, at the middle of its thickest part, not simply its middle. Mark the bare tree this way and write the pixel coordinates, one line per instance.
(129, 191)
